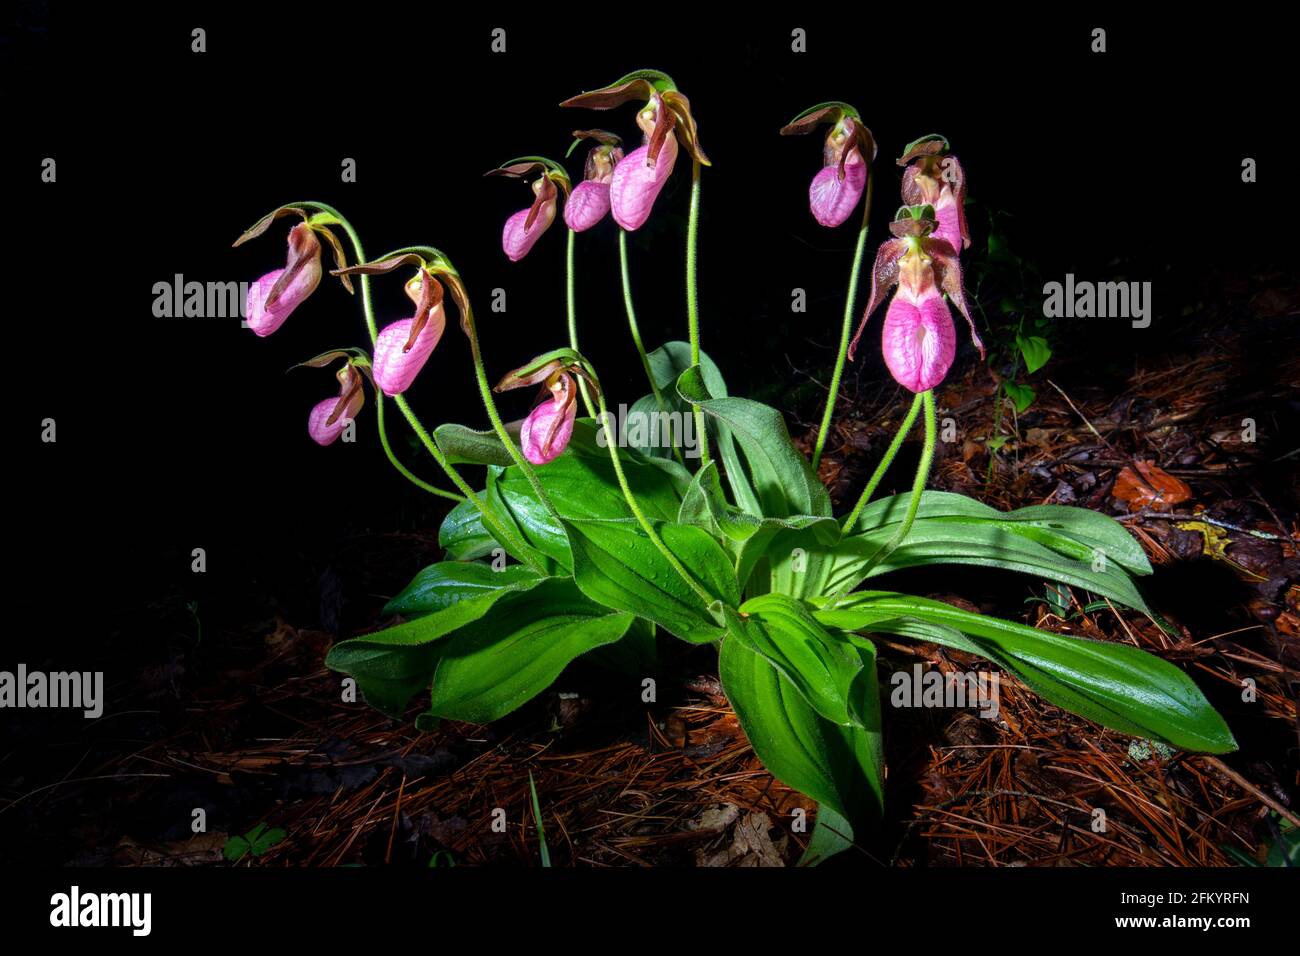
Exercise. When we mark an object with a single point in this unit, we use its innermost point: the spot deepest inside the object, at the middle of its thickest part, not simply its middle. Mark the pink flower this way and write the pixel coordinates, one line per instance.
(636, 183)
(519, 235)
(547, 429)
(934, 176)
(273, 297)
(835, 191)
(330, 418)
(318, 424)
(919, 340)
(586, 205)
(524, 228)
(395, 369)
(404, 347)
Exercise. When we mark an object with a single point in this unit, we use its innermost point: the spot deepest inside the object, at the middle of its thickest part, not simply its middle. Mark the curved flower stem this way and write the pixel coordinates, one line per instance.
(612, 444)
(489, 403)
(636, 334)
(918, 486)
(834, 392)
(573, 317)
(485, 389)
(692, 300)
(490, 519)
(402, 469)
(851, 522)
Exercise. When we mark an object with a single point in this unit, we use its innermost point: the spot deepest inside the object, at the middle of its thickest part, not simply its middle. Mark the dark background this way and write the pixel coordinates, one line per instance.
(182, 433)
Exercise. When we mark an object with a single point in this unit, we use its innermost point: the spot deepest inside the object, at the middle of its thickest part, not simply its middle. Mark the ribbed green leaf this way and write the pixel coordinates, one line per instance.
(1116, 685)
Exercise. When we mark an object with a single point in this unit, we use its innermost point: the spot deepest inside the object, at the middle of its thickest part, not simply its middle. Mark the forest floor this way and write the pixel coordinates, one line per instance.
(247, 723)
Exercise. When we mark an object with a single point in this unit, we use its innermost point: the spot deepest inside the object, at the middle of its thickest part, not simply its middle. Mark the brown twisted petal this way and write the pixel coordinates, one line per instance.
(688, 133)
(382, 267)
(807, 124)
(612, 96)
(924, 147)
(565, 397)
(947, 274)
(884, 276)
(340, 259)
(664, 123)
(264, 223)
(304, 249)
(514, 378)
(604, 137)
(544, 192)
(351, 395)
(430, 300)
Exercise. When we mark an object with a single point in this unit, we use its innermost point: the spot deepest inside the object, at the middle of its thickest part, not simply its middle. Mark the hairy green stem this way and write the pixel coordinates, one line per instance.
(573, 317)
(402, 469)
(612, 444)
(918, 486)
(846, 327)
(636, 335)
(851, 522)
(692, 299)
(490, 519)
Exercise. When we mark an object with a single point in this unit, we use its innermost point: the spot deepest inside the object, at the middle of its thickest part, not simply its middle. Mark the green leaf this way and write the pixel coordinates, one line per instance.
(1055, 542)
(783, 479)
(1035, 351)
(1115, 685)
(462, 533)
(1022, 396)
(747, 536)
(831, 834)
(582, 484)
(392, 665)
(1073, 532)
(493, 665)
(465, 446)
(617, 565)
(235, 849)
(784, 633)
(441, 585)
(839, 767)
(667, 363)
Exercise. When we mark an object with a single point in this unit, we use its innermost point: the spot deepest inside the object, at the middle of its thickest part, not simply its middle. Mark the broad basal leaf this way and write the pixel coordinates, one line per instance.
(618, 566)
(1116, 685)
(513, 653)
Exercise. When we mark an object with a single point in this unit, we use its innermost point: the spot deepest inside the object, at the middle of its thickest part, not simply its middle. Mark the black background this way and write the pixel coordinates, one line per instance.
(182, 433)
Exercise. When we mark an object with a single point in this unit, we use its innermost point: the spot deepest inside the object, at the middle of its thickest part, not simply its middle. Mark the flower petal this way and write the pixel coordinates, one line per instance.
(586, 205)
(554, 418)
(635, 185)
(831, 199)
(919, 341)
(948, 215)
(321, 432)
(394, 369)
(516, 240)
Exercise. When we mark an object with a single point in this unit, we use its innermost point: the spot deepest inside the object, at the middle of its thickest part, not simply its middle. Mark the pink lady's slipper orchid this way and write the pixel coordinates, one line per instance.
(588, 204)
(846, 160)
(665, 120)
(918, 340)
(330, 418)
(524, 228)
(546, 431)
(403, 348)
(936, 178)
(273, 297)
